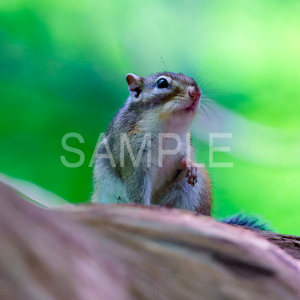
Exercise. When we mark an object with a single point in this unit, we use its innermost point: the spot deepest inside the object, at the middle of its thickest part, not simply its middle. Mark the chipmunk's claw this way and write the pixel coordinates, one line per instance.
(191, 172)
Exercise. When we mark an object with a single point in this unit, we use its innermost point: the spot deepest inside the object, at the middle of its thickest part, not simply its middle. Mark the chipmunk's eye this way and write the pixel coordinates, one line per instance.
(162, 83)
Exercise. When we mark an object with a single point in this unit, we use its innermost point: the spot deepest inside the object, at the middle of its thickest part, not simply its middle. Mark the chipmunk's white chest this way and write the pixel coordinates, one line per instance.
(168, 152)
(168, 147)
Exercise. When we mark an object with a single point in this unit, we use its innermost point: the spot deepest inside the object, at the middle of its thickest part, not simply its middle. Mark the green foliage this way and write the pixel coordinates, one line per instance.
(62, 68)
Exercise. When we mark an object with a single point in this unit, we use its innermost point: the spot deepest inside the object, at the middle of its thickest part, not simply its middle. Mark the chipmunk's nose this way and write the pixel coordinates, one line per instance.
(194, 93)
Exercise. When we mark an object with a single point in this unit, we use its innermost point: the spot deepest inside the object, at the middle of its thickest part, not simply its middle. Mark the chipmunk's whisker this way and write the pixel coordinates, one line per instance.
(214, 112)
(208, 84)
(207, 100)
(206, 114)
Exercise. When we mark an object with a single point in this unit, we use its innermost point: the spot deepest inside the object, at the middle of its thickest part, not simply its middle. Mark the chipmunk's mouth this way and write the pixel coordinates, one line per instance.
(192, 107)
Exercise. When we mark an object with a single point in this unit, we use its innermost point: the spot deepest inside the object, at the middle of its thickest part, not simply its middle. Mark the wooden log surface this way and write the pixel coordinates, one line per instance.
(136, 252)
(287, 242)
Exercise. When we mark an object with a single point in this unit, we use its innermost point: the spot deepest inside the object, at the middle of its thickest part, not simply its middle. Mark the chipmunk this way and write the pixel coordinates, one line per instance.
(146, 155)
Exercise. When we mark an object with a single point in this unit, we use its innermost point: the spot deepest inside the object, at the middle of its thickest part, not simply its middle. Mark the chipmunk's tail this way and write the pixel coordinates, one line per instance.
(243, 219)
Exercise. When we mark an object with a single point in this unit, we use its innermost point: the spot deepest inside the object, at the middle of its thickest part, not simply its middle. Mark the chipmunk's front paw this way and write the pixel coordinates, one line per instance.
(190, 172)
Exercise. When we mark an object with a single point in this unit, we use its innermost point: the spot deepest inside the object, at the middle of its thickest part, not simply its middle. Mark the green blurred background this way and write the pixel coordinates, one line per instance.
(62, 68)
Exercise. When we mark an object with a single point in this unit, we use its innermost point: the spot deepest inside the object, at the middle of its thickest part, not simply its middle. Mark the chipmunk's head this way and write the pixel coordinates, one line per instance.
(166, 95)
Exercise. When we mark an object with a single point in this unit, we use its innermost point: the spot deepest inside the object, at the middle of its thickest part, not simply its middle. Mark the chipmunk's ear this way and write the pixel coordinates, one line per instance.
(134, 84)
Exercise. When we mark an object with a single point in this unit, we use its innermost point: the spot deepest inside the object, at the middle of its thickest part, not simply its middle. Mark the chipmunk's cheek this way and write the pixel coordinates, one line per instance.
(165, 113)
(164, 117)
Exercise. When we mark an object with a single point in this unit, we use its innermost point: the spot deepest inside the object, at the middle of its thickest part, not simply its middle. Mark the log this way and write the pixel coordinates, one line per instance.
(287, 242)
(135, 252)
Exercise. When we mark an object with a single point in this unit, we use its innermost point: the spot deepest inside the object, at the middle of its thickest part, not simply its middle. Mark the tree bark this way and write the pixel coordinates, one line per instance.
(136, 252)
(287, 242)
